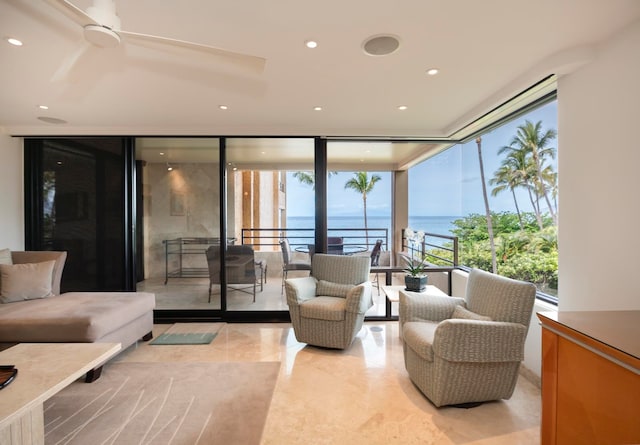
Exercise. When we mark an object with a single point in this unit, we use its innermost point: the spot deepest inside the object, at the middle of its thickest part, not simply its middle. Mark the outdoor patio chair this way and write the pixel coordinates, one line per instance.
(462, 351)
(261, 271)
(287, 262)
(240, 268)
(335, 245)
(375, 261)
(327, 308)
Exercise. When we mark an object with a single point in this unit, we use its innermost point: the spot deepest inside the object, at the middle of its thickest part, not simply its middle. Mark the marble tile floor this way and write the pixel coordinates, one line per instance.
(359, 396)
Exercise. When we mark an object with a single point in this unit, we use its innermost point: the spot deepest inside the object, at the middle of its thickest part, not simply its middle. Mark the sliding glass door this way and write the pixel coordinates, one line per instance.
(270, 198)
(179, 220)
(78, 196)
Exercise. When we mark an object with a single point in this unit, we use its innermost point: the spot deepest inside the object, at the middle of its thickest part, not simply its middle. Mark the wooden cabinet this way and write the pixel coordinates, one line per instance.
(590, 377)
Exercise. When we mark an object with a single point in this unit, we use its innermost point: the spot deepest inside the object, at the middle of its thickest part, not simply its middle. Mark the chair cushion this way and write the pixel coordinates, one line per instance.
(29, 281)
(418, 335)
(324, 308)
(329, 289)
(466, 314)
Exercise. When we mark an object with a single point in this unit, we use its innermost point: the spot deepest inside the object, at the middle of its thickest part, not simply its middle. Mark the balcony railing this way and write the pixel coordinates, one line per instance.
(351, 237)
(435, 249)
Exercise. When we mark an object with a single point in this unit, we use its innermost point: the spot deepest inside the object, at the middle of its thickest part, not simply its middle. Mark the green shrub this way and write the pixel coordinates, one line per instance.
(529, 254)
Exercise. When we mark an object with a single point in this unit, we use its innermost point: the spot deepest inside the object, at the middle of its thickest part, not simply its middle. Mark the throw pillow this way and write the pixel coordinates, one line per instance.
(461, 312)
(329, 289)
(25, 281)
(5, 256)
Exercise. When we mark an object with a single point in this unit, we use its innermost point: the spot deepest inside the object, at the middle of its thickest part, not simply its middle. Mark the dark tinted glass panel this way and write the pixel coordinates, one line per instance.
(83, 210)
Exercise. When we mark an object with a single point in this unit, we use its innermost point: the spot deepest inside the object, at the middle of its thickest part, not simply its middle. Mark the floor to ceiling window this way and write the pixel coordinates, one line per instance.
(520, 192)
(205, 217)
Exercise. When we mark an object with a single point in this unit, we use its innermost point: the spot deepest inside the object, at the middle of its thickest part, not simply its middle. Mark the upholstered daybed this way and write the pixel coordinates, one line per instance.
(31, 311)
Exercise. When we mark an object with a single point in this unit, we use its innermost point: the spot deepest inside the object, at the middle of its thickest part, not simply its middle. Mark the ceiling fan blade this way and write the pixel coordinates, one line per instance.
(69, 62)
(73, 12)
(254, 62)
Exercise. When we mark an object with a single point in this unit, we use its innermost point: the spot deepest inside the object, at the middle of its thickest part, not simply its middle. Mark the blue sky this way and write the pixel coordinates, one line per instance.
(447, 184)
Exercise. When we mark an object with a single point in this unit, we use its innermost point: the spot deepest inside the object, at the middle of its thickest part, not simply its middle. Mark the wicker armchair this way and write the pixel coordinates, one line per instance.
(465, 351)
(327, 308)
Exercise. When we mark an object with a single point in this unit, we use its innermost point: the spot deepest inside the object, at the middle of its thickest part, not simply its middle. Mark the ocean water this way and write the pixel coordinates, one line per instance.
(440, 225)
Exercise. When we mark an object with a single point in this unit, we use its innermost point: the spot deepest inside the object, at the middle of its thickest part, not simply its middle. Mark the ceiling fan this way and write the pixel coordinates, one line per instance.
(101, 26)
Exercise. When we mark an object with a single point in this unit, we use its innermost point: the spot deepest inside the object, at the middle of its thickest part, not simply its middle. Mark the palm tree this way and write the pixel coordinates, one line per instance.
(362, 184)
(494, 262)
(532, 141)
(524, 175)
(507, 178)
(309, 178)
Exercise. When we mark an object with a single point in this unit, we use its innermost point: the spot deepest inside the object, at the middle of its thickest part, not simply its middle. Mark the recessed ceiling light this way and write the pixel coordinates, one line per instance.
(43, 107)
(317, 108)
(311, 44)
(161, 153)
(432, 71)
(14, 42)
(223, 107)
(402, 107)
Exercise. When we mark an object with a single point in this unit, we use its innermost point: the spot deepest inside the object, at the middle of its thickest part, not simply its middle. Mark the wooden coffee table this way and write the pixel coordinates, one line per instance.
(393, 294)
(43, 370)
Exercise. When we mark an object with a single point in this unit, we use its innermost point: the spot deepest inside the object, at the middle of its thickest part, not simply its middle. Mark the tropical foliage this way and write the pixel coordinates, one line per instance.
(526, 166)
(528, 254)
(309, 178)
(520, 245)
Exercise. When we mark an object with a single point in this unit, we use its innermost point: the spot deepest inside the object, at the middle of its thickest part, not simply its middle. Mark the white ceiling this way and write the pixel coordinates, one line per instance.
(487, 51)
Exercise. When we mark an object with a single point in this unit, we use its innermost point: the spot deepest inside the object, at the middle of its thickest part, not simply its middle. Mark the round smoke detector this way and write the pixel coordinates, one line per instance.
(381, 45)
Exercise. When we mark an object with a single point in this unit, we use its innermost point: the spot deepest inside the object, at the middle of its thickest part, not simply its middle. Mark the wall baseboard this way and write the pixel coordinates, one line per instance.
(531, 376)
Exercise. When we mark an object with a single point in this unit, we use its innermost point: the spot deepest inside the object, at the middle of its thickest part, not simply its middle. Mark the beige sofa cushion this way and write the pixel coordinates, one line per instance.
(72, 317)
(19, 257)
(29, 281)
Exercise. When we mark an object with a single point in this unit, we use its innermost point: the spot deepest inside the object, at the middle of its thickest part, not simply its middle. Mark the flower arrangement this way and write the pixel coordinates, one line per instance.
(414, 238)
(415, 280)
(414, 269)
